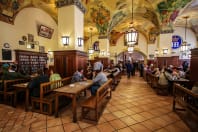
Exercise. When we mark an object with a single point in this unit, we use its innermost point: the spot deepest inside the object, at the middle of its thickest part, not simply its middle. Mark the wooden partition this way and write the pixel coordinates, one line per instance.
(67, 62)
(194, 64)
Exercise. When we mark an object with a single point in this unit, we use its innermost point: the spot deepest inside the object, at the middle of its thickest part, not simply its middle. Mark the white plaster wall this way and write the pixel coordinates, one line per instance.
(79, 27)
(66, 26)
(27, 22)
(70, 23)
(166, 41)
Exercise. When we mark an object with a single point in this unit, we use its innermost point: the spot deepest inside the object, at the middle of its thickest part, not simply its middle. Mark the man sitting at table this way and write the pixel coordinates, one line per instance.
(99, 79)
(78, 76)
(6, 75)
(34, 85)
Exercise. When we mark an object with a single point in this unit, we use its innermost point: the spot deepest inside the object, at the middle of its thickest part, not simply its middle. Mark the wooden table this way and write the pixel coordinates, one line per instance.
(22, 87)
(72, 91)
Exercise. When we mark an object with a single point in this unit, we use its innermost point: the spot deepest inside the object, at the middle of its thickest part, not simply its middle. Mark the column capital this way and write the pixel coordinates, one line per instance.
(61, 3)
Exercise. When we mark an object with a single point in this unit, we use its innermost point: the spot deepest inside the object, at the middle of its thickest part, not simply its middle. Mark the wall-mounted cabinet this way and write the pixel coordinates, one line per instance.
(67, 62)
(29, 62)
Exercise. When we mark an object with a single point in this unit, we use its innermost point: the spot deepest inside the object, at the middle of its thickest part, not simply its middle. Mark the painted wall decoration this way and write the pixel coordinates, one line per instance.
(169, 10)
(8, 9)
(114, 36)
(116, 19)
(101, 16)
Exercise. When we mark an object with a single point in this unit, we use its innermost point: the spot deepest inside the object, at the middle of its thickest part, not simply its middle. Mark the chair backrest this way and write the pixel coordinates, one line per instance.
(48, 87)
(8, 83)
(103, 90)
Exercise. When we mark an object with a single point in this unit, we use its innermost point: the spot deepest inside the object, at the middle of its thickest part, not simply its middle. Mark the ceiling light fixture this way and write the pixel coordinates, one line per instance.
(184, 46)
(131, 35)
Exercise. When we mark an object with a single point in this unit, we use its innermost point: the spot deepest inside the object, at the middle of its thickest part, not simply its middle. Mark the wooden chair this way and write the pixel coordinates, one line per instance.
(44, 103)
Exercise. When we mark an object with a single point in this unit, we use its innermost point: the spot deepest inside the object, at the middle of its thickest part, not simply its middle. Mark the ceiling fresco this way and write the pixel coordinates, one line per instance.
(111, 18)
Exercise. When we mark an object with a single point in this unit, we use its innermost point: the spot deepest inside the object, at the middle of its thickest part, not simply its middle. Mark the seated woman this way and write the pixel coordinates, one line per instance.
(162, 78)
(34, 84)
(54, 76)
(78, 76)
(157, 72)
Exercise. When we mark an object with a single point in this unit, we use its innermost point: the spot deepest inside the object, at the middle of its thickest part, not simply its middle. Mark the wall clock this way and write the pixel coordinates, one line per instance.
(6, 45)
(24, 38)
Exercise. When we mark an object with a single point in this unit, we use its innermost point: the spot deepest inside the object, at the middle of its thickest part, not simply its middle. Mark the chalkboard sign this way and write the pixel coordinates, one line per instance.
(6, 54)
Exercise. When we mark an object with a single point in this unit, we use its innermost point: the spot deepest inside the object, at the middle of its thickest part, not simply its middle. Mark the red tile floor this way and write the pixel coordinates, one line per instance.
(134, 106)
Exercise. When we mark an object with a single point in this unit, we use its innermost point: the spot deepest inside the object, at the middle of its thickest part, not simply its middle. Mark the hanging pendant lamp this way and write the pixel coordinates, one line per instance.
(132, 34)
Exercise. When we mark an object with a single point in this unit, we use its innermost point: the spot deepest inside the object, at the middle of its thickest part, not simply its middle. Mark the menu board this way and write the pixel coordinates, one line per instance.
(6, 54)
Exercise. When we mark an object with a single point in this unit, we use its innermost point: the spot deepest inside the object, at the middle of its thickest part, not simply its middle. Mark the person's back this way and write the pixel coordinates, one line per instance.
(34, 85)
(78, 76)
(99, 79)
(54, 77)
(162, 79)
(6, 75)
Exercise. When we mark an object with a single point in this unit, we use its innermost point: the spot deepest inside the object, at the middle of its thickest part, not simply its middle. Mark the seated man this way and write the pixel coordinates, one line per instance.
(100, 78)
(34, 85)
(6, 75)
(78, 76)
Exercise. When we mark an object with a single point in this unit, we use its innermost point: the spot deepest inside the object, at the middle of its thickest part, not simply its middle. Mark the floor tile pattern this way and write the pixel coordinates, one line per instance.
(134, 107)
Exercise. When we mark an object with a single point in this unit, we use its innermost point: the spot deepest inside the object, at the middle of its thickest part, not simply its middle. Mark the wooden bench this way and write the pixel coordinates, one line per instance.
(93, 102)
(116, 79)
(186, 99)
(9, 93)
(47, 96)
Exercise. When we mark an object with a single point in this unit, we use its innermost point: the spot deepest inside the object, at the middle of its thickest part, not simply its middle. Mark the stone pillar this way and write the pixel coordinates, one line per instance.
(70, 23)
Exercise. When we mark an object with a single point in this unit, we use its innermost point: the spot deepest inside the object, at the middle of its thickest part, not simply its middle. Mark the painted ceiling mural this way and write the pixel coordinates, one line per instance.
(111, 18)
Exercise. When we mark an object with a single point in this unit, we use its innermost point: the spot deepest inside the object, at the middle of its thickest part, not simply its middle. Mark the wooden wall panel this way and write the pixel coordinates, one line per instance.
(67, 62)
(194, 65)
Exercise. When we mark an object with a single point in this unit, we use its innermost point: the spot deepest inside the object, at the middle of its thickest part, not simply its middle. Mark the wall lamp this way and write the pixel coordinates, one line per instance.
(65, 40)
(165, 51)
(80, 42)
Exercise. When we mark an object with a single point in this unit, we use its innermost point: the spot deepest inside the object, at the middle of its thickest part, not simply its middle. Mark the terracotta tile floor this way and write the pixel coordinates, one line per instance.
(134, 106)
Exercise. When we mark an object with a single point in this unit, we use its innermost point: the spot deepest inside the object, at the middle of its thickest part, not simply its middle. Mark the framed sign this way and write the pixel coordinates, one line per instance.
(176, 41)
(30, 38)
(6, 54)
(45, 32)
(42, 49)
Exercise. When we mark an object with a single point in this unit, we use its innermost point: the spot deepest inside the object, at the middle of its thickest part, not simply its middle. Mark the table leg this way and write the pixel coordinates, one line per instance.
(56, 106)
(27, 99)
(74, 108)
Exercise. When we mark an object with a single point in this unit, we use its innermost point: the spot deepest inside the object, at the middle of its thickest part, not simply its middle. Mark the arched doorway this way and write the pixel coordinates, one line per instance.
(135, 56)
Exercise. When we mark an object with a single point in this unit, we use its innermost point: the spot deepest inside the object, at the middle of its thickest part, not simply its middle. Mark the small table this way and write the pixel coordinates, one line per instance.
(22, 87)
(72, 91)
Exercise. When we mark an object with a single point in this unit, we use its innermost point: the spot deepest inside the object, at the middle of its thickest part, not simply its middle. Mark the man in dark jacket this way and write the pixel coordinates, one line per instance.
(34, 85)
(129, 68)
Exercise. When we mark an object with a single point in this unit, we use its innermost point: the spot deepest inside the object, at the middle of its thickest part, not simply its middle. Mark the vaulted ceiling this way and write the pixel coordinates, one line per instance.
(113, 17)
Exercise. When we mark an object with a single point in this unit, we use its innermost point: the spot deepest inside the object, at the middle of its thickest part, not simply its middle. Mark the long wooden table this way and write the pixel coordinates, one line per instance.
(22, 87)
(72, 91)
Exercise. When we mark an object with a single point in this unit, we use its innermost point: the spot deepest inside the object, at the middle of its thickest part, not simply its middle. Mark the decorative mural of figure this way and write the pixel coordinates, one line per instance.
(96, 46)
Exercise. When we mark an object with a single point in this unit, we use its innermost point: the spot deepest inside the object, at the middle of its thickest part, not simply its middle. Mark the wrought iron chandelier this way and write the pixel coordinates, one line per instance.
(184, 46)
(131, 35)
